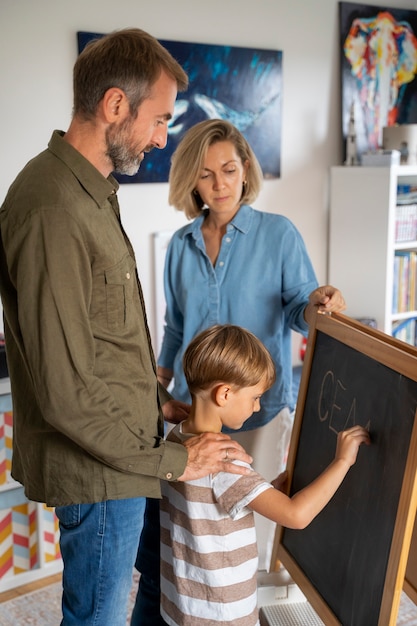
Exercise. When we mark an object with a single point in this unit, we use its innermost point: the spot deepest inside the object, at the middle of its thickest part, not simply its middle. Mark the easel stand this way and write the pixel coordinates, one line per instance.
(282, 603)
(296, 614)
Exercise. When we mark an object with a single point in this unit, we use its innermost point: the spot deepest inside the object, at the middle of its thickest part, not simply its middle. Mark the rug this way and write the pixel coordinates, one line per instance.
(43, 608)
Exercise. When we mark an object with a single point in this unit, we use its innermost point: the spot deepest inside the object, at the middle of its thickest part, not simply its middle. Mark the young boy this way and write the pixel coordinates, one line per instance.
(209, 557)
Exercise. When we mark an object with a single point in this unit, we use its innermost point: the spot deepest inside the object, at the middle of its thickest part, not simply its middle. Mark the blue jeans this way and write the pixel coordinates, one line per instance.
(98, 544)
(146, 611)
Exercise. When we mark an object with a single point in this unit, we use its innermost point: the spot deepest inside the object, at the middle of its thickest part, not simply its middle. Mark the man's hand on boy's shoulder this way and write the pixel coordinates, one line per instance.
(210, 453)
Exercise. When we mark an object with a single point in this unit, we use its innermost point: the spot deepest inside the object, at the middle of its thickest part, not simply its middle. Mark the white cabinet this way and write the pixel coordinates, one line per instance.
(362, 240)
(29, 534)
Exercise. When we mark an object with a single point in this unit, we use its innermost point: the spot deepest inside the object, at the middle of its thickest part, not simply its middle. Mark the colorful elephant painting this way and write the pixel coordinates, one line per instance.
(381, 52)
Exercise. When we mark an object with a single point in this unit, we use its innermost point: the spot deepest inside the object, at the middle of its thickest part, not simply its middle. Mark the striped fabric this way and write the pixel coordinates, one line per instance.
(209, 556)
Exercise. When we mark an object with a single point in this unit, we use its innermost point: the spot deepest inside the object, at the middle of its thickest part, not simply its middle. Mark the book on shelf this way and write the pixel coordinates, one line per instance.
(404, 292)
(405, 222)
(406, 194)
(406, 330)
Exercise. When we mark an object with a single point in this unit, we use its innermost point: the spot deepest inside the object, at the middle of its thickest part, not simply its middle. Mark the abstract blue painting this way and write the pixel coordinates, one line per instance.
(242, 85)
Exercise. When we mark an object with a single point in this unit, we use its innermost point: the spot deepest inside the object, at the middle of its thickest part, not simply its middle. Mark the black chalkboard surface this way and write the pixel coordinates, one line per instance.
(350, 561)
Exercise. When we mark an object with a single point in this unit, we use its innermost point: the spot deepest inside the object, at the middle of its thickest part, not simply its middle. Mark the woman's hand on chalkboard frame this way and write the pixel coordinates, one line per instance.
(325, 299)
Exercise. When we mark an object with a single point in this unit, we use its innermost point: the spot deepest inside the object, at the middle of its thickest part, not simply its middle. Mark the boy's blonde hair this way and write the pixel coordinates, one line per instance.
(230, 354)
(188, 161)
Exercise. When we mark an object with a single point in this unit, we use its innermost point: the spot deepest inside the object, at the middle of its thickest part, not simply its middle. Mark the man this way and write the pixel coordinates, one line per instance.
(88, 423)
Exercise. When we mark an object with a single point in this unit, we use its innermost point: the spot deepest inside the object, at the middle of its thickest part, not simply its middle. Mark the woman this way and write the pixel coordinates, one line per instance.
(236, 265)
(233, 264)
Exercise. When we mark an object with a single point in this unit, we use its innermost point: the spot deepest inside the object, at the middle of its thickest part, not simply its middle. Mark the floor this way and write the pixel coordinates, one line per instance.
(34, 586)
(407, 615)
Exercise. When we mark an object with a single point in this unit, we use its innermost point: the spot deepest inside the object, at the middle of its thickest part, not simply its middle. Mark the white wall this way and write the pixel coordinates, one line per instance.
(38, 48)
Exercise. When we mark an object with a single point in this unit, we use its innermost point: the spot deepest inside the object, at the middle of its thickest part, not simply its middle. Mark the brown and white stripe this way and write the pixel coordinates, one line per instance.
(209, 556)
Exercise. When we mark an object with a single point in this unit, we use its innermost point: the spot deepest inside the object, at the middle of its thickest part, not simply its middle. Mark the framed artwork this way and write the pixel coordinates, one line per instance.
(242, 85)
(378, 70)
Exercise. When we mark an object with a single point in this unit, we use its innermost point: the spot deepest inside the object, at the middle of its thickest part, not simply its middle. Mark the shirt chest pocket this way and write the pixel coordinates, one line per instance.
(119, 287)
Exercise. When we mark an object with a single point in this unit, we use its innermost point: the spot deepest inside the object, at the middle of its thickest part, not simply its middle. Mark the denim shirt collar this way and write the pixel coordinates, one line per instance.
(241, 221)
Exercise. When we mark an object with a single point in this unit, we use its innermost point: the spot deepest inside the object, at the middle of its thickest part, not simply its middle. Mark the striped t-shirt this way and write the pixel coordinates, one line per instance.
(209, 557)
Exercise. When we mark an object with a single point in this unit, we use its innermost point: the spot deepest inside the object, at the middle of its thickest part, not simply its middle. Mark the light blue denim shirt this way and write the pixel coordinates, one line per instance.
(261, 281)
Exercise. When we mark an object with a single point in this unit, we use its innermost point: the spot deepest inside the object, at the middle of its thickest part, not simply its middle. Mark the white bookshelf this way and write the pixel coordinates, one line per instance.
(362, 239)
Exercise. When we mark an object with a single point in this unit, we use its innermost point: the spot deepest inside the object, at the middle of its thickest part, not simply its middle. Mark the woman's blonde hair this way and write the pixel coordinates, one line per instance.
(188, 161)
(229, 354)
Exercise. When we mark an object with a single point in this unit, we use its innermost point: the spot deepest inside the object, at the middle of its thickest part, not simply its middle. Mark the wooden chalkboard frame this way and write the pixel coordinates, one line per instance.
(400, 358)
(410, 582)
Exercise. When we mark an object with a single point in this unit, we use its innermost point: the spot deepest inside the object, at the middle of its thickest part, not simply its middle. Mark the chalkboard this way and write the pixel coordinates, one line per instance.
(350, 561)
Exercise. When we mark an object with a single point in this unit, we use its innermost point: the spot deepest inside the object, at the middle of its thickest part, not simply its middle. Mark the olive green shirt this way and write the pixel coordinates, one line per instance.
(87, 425)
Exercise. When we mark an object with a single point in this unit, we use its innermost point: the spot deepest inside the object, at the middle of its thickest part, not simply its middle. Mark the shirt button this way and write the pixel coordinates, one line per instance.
(221, 263)
(228, 240)
(168, 475)
(127, 275)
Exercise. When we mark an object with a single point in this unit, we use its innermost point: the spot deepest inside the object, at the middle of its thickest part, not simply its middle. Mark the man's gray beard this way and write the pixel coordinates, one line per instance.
(122, 161)
(120, 152)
